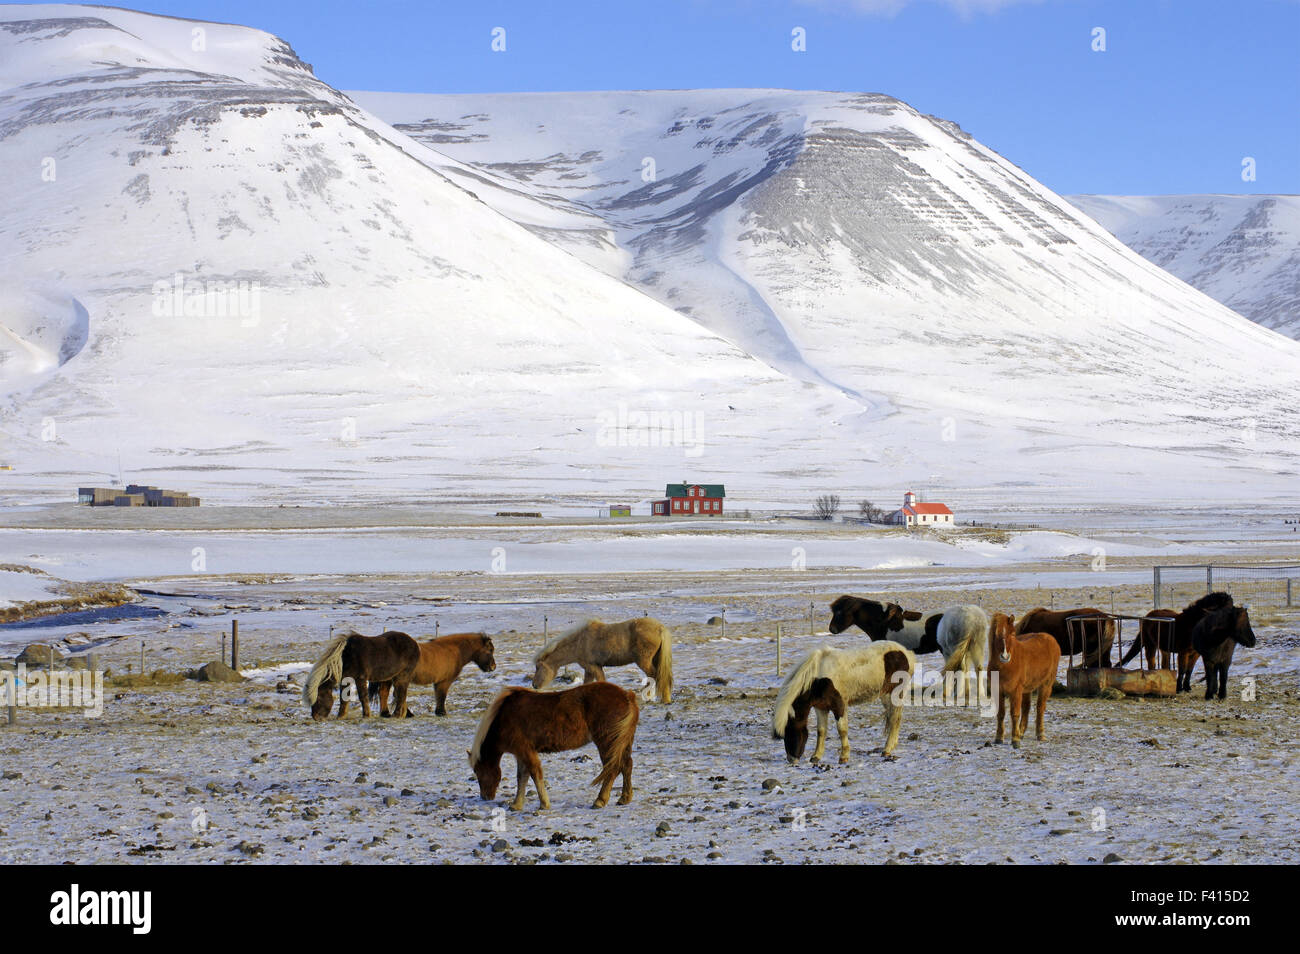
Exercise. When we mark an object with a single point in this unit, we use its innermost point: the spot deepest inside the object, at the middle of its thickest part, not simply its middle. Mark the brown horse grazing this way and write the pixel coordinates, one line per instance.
(645, 642)
(389, 657)
(1185, 625)
(1154, 636)
(525, 722)
(915, 631)
(1215, 637)
(1098, 636)
(1024, 663)
(441, 661)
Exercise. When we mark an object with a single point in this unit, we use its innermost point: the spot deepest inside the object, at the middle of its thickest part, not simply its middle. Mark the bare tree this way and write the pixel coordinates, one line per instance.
(826, 506)
(870, 512)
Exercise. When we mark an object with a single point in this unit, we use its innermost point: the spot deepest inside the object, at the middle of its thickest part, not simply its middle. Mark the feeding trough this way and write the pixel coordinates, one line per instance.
(1091, 680)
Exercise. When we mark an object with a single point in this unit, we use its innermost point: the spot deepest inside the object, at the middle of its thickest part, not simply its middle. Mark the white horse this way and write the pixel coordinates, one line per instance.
(832, 679)
(964, 641)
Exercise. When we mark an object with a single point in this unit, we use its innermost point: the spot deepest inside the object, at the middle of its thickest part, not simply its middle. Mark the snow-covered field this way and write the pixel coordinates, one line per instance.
(217, 773)
(198, 772)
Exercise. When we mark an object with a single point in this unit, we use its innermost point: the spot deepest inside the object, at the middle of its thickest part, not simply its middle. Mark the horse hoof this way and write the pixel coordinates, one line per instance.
(598, 804)
(625, 800)
(1015, 744)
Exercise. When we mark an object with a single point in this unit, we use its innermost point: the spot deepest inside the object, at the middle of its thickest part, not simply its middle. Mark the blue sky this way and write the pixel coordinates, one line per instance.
(1184, 90)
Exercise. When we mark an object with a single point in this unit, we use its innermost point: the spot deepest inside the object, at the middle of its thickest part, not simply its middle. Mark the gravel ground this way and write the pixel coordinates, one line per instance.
(209, 773)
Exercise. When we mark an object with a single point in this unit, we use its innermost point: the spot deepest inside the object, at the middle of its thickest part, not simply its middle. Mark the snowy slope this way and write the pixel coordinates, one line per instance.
(400, 328)
(1241, 250)
(848, 239)
(816, 291)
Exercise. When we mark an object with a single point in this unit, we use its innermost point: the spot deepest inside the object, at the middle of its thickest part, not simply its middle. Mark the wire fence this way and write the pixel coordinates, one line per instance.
(1174, 587)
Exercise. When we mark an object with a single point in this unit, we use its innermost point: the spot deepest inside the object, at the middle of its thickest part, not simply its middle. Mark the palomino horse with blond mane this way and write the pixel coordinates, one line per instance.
(441, 661)
(830, 680)
(1025, 664)
(524, 723)
(643, 642)
(388, 658)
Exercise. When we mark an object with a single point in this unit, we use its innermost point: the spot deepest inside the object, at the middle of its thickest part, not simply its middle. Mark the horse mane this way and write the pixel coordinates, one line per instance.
(1210, 602)
(328, 666)
(555, 641)
(489, 717)
(458, 637)
(796, 684)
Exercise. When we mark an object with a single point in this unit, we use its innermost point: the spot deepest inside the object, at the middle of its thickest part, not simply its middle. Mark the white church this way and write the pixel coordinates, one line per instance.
(913, 514)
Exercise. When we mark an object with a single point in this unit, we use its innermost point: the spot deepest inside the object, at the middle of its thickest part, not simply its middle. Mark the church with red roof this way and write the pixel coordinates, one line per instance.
(914, 514)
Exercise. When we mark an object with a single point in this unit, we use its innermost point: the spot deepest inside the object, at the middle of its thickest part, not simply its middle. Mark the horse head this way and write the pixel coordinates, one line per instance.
(488, 775)
(822, 694)
(485, 655)
(842, 613)
(1242, 632)
(320, 708)
(1002, 630)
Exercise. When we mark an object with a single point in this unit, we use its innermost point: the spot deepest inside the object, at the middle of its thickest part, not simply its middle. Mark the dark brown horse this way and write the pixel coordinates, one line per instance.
(1214, 638)
(1098, 635)
(351, 661)
(441, 661)
(525, 722)
(1185, 625)
(1024, 664)
(915, 631)
(1153, 636)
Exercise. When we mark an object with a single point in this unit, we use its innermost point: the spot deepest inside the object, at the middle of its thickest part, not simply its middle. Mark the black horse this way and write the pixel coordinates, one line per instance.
(1184, 625)
(1215, 637)
(913, 630)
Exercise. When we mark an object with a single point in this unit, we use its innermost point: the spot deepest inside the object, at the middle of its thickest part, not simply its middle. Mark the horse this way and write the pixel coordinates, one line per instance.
(830, 680)
(524, 722)
(441, 661)
(593, 645)
(1184, 626)
(1215, 637)
(390, 658)
(963, 638)
(915, 631)
(1024, 663)
(1098, 635)
(1154, 636)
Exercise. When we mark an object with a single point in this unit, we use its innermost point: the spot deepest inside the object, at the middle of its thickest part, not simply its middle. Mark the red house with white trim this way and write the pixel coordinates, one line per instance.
(913, 514)
(704, 500)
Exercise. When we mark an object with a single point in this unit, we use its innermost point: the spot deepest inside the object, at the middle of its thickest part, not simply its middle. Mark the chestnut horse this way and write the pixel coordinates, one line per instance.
(1053, 623)
(594, 645)
(830, 680)
(441, 661)
(918, 632)
(1184, 626)
(1154, 636)
(389, 658)
(524, 722)
(1215, 637)
(1025, 664)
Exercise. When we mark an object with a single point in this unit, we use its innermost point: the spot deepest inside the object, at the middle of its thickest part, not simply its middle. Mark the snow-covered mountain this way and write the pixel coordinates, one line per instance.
(248, 285)
(1241, 250)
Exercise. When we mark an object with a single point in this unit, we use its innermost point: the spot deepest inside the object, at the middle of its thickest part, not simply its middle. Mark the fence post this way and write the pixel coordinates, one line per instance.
(546, 630)
(724, 622)
(778, 650)
(1209, 578)
(1155, 587)
(810, 619)
(1288, 591)
(234, 644)
(142, 657)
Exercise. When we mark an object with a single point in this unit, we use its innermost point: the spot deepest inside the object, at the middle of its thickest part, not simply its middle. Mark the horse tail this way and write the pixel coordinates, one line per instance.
(974, 624)
(624, 733)
(796, 684)
(663, 663)
(1136, 647)
(329, 668)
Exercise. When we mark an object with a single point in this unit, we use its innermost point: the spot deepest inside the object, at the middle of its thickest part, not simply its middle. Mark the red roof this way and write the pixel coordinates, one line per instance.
(921, 508)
